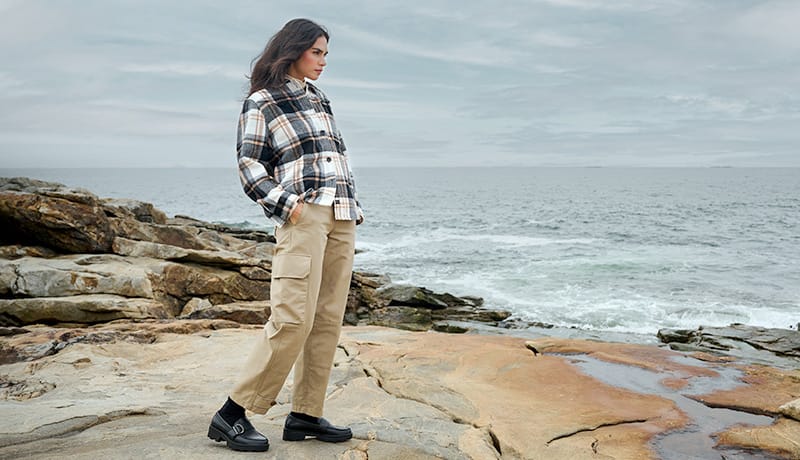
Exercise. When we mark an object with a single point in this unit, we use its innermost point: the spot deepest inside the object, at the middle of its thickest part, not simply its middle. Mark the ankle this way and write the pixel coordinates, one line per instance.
(305, 417)
(231, 411)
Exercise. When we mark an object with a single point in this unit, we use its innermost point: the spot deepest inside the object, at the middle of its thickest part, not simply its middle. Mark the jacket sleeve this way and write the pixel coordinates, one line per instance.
(359, 209)
(256, 166)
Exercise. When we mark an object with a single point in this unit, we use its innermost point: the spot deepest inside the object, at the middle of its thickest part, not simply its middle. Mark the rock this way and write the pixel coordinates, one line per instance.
(256, 273)
(779, 439)
(674, 335)
(228, 259)
(791, 409)
(471, 314)
(414, 296)
(140, 210)
(450, 328)
(240, 312)
(405, 395)
(521, 406)
(372, 280)
(767, 390)
(195, 304)
(40, 341)
(182, 237)
(15, 251)
(408, 318)
(21, 390)
(219, 286)
(170, 261)
(91, 308)
(6, 331)
(78, 274)
(52, 189)
(736, 339)
(239, 233)
(57, 223)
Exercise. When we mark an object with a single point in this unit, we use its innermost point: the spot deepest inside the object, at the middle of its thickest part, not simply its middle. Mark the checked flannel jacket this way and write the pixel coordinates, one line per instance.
(290, 150)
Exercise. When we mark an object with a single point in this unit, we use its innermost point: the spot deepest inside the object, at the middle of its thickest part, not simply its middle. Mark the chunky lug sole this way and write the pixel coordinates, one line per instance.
(219, 436)
(296, 435)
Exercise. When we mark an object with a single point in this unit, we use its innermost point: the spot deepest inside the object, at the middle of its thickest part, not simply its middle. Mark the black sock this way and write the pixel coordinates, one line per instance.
(304, 417)
(231, 412)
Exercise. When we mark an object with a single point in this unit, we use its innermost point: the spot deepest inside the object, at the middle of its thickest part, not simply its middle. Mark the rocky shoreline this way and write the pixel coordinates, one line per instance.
(115, 318)
(70, 257)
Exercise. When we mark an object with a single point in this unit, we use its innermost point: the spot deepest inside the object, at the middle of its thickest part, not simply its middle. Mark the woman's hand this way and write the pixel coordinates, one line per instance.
(295, 215)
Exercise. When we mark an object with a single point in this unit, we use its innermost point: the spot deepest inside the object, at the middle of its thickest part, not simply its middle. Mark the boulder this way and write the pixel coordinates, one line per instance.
(414, 296)
(15, 251)
(221, 258)
(78, 274)
(408, 318)
(238, 233)
(183, 237)
(219, 286)
(791, 409)
(735, 339)
(139, 210)
(256, 273)
(88, 309)
(57, 223)
(242, 312)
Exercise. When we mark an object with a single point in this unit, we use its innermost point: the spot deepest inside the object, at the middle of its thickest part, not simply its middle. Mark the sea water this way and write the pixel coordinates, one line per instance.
(607, 249)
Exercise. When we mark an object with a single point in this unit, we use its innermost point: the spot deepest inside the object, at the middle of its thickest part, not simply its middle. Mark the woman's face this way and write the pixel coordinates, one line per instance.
(311, 62)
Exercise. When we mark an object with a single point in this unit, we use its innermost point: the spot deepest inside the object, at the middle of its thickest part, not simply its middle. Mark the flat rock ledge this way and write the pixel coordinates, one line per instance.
(147, 389)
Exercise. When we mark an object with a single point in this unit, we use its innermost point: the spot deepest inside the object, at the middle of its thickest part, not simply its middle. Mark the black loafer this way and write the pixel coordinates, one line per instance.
(296, 429)
(241, 436)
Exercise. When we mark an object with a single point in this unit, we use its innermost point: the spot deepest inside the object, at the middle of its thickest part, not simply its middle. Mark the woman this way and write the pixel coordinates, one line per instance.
(292, 162)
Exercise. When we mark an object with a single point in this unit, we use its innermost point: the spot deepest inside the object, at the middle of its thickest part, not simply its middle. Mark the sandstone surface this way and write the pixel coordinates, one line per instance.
(149, 388)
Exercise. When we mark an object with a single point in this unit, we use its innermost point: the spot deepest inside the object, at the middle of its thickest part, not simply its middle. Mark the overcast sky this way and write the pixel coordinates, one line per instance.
(416, 83)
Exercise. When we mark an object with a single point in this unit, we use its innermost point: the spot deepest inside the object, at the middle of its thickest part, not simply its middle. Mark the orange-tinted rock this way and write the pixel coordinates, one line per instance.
(643, 356)
(781, 438)
(766, 390)
(534, 406)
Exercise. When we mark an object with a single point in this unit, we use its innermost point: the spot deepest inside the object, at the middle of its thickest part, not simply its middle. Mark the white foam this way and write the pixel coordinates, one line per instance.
(442, 235)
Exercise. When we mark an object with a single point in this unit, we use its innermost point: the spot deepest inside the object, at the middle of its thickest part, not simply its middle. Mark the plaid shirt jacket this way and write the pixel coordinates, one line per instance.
(290, 150)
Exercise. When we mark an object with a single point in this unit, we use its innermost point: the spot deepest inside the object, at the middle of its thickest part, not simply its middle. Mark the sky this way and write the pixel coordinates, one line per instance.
(677, 83)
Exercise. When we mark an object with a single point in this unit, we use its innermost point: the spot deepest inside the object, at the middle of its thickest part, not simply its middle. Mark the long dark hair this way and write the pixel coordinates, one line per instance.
(271, 66)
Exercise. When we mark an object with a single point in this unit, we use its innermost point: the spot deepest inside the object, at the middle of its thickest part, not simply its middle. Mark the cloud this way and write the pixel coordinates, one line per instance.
(14, 87)
(614, 5)
(360, 84)
(710, 104)
(775, 22)
(182, 69)
(476, 52)
(557, 40)
(533, 82)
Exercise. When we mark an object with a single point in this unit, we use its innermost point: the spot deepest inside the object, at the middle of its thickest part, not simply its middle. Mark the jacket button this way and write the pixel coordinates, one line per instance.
(328, 159)
(323, 132)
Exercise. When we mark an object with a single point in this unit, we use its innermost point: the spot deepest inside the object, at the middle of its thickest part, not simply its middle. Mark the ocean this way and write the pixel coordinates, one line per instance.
(623, 250)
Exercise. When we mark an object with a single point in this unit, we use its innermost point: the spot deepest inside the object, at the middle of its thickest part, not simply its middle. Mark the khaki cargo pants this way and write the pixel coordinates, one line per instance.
(311, 272)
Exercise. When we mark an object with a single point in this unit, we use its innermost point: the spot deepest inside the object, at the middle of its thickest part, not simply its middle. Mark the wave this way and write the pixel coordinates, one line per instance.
(444, 235)
(601, 309)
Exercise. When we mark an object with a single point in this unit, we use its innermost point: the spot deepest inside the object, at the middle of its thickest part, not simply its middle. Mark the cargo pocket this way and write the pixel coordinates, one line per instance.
(289, 288)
